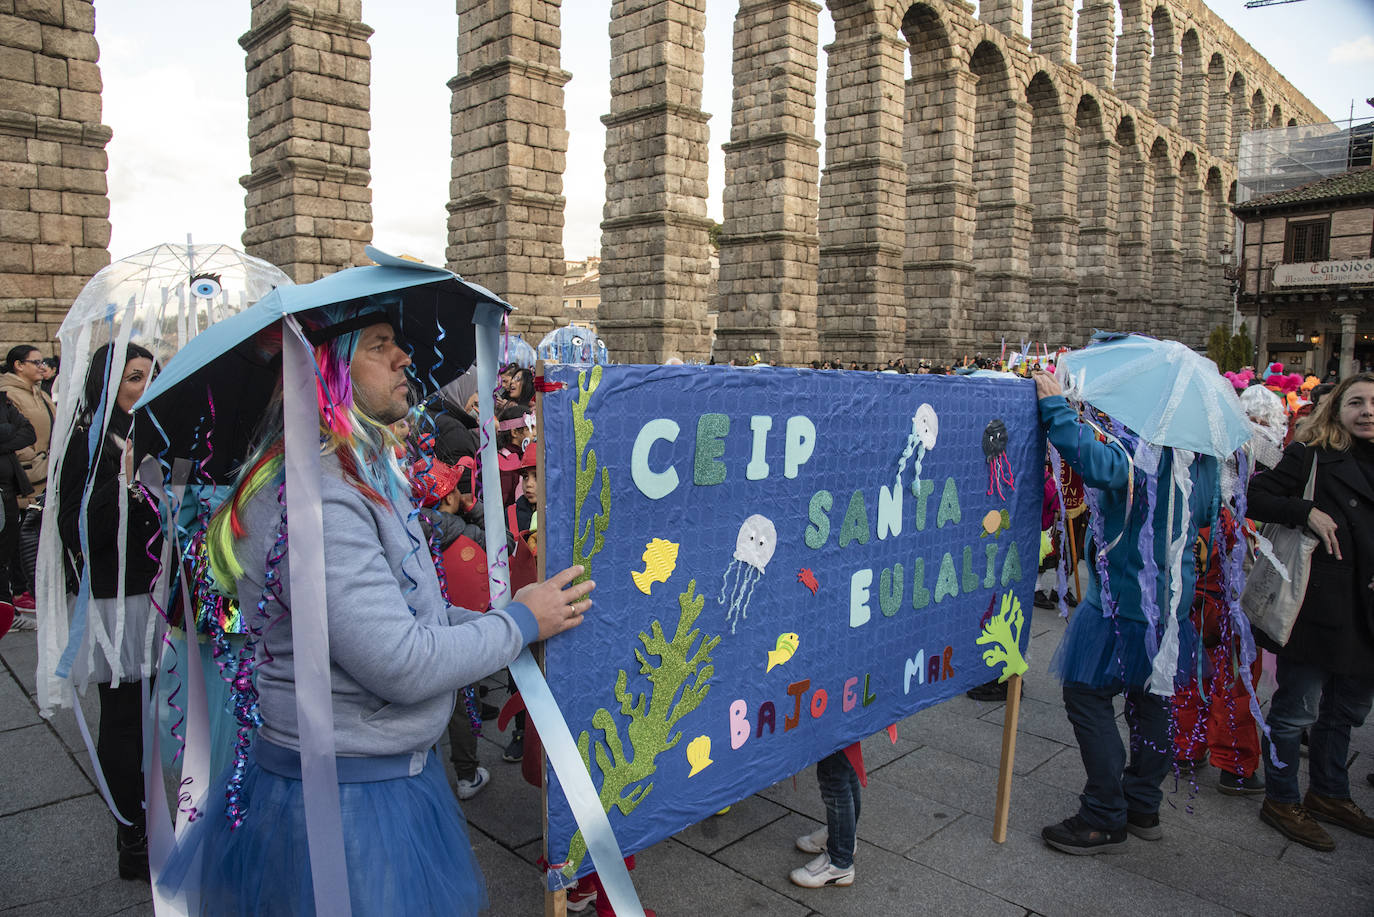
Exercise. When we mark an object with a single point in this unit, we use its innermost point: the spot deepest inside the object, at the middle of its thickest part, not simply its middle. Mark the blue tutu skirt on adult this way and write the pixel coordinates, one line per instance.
(405, 844)
(1102, 651)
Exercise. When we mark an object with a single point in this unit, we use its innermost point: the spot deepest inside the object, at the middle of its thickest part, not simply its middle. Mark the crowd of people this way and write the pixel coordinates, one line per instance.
(402, 647)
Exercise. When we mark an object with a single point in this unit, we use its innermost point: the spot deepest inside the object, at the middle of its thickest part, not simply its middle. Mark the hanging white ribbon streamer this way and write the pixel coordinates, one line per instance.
(309, 630)
(583, 799)
(1165, 664)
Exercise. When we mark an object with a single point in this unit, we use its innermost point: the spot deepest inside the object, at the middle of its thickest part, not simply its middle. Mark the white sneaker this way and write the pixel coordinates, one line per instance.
(814, 842)
(820, 872)
(470, 788)
(23, 622)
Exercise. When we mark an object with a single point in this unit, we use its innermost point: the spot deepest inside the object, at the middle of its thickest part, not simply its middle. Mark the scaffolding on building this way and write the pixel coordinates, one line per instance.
(1281, 158)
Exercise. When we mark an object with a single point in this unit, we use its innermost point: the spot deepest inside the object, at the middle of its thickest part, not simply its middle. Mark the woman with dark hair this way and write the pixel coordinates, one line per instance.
(520, 386)
(1325, 670)
(98, 467)
(22, 383)
(16, 434)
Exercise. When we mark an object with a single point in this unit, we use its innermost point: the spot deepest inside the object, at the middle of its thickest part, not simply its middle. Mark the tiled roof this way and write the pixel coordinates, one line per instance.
(1355, 183)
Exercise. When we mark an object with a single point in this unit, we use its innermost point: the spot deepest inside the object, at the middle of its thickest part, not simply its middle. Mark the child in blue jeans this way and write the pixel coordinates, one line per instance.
(833, 844)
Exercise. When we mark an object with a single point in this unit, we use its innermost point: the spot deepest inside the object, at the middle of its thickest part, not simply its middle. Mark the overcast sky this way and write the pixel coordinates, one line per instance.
(175, 97)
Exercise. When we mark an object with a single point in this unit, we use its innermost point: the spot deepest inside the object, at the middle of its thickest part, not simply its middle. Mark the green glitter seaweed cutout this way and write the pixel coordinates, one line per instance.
(595, 529)
(651, 719)
(1003, 634)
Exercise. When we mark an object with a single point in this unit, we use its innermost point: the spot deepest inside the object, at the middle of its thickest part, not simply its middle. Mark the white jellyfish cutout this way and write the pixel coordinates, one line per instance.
(925, 428)
(754, 548)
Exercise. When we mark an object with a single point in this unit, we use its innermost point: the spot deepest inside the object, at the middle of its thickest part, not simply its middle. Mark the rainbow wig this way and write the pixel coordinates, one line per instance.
(366, 449)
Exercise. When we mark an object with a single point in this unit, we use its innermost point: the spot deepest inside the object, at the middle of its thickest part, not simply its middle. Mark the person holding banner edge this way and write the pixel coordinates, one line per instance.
(1105, 655)
(398, 653)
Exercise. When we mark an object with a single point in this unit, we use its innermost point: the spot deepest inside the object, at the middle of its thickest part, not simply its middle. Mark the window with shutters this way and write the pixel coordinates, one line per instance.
(1307, 241)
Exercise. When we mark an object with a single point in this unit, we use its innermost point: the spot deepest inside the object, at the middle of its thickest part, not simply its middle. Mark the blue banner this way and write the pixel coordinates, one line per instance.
(787, 561)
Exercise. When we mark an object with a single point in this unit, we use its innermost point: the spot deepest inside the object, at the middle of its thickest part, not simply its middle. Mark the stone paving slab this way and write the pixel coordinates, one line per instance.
(38, 771)
(885, 883)
(15, 708)
(1026, 872)
(1223, 873)
(60, 860)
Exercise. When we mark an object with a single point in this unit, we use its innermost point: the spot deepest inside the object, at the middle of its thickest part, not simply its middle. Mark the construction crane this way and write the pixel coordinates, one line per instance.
(1252, 4)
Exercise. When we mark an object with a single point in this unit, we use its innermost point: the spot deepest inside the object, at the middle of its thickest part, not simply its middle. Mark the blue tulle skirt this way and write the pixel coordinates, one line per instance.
(405, 843)
(1100, 652)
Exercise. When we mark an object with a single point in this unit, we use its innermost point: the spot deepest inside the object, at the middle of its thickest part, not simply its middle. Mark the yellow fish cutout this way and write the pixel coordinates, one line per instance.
(660, 559)
(699, 754)
(787, 645)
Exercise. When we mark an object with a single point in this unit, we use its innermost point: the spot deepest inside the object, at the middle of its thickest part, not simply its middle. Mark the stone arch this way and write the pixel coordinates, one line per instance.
(1292, 122)
(1054, 216)
(1276, 116)
(1164, 67)
(1001, 236)
(1192, 112)
(937, 149)
(1219, 226)
(1192, 324)
(1165, 260)
(1218, 107)
(1259, 112)
(1133, 243)
(1098, 200)
(1240, 111)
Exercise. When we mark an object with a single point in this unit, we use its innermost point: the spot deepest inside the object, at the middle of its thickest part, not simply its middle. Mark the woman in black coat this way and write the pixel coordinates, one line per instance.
(15, 433)
(119, 661)
(1326, 670)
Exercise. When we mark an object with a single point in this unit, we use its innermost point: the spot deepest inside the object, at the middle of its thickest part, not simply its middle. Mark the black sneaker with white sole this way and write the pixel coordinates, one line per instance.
(1144, 825)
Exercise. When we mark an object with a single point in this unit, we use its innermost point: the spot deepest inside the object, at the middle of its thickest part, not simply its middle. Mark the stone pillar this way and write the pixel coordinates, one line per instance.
(1002, 241)
(1218, 114)
(54, 205)
(1195, 309)
(1055, 220)
(510, 144)
(1132, 79)
(1098, 261)
(655, 248)
(1166, 260)
(1136, 288)
(1192, 109)
(1164, 80)
(309, 204)
(942, 208)
(861, 308)
(1052, 29)
(1096, 41)
(769, 247)
(1350, 326)
(1006, 16)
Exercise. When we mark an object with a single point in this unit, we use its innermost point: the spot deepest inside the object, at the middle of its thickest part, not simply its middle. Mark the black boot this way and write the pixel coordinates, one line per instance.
(132, 843)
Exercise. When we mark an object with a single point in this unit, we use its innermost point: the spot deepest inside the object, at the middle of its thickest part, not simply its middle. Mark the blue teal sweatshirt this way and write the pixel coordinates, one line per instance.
(1106, 468)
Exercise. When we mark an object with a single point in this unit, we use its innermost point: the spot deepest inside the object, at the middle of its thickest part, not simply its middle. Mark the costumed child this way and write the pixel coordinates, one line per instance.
(98, 503)
(1213, 717)
(1105, 651)
(397, 654)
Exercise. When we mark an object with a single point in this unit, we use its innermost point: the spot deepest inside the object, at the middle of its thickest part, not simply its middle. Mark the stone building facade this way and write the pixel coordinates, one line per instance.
(1307, 272)
(1012, 187)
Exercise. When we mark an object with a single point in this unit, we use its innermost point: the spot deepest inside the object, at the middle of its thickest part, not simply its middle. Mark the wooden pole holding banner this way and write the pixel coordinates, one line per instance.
(555, 903)
(1011, 714)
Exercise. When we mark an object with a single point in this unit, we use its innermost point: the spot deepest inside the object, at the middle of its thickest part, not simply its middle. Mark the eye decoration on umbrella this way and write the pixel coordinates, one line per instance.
(995, 452)
(754, 548)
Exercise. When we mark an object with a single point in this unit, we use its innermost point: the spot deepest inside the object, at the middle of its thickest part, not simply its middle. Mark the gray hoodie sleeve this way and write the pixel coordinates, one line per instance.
(374, 637)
